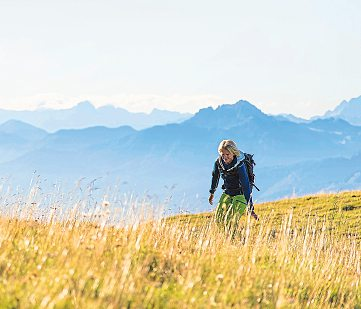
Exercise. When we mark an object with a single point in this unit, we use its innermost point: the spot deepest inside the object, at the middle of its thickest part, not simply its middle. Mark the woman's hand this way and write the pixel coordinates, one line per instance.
(210, 199)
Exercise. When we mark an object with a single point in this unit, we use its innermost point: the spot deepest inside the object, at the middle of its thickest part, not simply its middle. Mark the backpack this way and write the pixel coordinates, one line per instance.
(249, 163)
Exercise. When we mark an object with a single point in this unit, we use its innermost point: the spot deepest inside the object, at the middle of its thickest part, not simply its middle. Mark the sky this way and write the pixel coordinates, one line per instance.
(298, 57)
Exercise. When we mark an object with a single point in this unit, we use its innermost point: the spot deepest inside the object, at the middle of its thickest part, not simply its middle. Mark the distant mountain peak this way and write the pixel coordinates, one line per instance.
(243, 106)
(157, 111)
(245, 103)
(84, 105)
(228, 115)
(347, 110)
(12, 125)
(22, 129)
(290, 117)
(12, 122)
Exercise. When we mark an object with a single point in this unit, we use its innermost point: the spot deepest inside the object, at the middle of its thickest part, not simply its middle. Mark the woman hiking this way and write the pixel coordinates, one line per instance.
(236, 187)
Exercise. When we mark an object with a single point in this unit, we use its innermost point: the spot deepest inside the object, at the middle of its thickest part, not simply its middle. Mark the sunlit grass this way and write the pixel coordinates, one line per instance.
(303, 252)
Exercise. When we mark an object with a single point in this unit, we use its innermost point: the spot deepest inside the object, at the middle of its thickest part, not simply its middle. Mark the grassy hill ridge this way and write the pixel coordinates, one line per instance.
(337, 208)
(303, 252)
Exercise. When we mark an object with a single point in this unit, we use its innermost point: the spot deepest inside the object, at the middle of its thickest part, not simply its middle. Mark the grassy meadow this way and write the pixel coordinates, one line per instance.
(304, 252)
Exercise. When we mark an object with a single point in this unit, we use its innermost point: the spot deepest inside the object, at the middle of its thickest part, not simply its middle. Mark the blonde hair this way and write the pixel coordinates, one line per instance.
(230, 146)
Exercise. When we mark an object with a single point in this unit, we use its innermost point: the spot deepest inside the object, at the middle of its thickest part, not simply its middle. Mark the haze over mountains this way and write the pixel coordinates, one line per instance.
(176, 159)
(85, 115)
(349, 111)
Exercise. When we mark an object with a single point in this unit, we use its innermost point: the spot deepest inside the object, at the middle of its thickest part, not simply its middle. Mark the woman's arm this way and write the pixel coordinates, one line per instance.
(215, 178)
(214, 184)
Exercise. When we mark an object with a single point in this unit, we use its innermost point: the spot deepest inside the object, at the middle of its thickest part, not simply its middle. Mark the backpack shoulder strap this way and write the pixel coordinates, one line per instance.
(240, 161)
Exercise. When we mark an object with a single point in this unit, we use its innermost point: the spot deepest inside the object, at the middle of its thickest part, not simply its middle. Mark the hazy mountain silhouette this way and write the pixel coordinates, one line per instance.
(346, 110)
(22, 130)
(228, 116)
(85, 115)
(18, 138)
(327, 175)
(290, 117)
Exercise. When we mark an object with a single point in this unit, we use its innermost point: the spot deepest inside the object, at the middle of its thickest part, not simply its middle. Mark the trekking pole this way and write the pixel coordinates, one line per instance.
(251, 210)
(255, 187)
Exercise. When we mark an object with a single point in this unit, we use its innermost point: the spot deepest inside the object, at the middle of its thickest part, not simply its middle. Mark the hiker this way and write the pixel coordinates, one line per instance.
(236, 188)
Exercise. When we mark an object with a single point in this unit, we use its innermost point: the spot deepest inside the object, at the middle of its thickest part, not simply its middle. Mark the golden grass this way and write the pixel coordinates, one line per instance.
(303, 252)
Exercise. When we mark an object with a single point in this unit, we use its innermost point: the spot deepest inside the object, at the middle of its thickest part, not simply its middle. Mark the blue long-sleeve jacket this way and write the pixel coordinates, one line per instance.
(235, 178)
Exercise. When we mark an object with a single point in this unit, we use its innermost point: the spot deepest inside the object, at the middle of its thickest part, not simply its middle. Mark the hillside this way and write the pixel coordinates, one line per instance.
(303, 252)
(342, 212)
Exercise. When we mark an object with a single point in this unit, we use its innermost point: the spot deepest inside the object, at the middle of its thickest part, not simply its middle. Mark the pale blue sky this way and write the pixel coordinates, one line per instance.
(300, 57)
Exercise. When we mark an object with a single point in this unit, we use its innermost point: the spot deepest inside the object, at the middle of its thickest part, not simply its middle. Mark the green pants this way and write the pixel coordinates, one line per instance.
(229, 210)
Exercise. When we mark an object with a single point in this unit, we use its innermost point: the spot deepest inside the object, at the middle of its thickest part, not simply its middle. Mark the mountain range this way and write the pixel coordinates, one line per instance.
(84, 115)
(349, 111)
(175, 160)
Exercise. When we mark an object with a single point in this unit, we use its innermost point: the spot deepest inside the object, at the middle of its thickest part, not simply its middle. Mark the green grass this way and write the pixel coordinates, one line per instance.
(303, 252)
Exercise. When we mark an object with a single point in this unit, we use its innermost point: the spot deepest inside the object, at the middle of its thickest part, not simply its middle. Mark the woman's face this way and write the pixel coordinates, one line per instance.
(227, 156)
